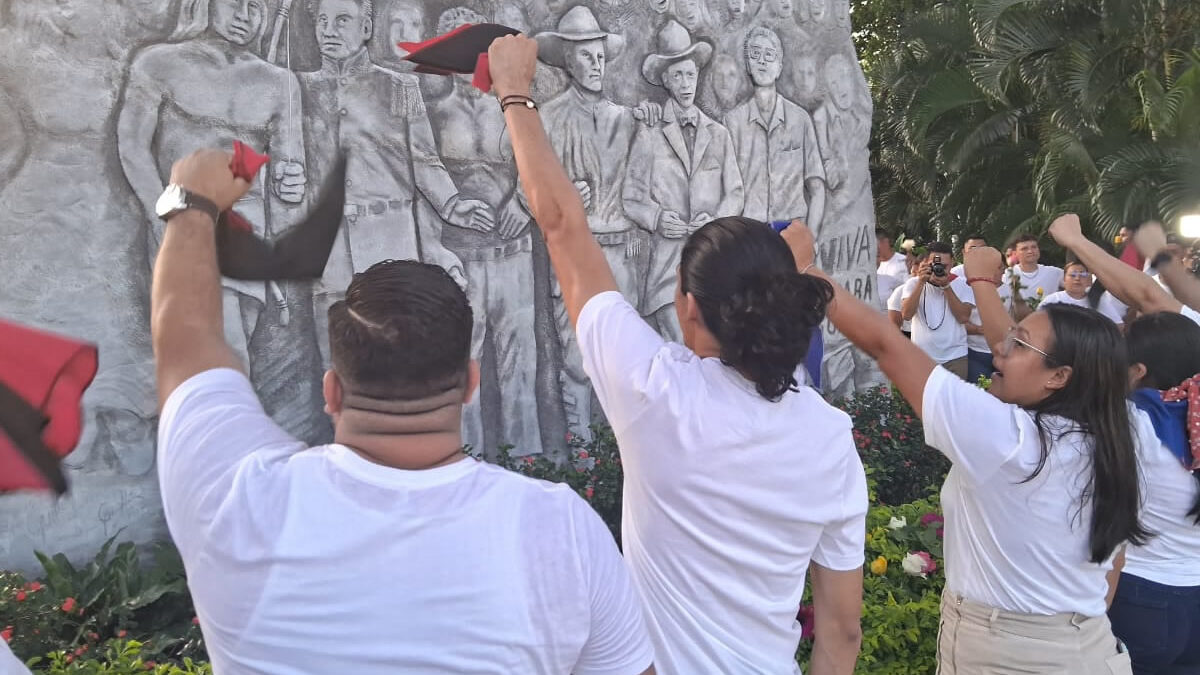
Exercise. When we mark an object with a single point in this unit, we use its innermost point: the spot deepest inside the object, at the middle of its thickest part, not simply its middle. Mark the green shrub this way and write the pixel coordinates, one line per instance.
(116, 657)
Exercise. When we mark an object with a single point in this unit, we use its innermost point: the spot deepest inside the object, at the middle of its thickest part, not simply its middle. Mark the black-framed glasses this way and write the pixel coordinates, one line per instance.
(1080, 275)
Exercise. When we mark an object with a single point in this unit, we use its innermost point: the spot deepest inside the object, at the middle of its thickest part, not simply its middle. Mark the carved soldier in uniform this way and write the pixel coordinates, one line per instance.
(377, 118)
(177, 98)
(776, 142)
(682, 173)
(470, 131)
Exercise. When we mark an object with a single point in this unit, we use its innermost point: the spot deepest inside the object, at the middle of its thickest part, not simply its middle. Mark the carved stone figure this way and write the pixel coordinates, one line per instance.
(498, 262)
(682, 172)
(377, 118)
(776, 142)
(176, 99)
(592, 136)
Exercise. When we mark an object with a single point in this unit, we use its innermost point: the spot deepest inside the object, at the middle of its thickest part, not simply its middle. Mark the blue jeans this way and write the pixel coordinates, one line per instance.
(979, 364)
(1160, 625)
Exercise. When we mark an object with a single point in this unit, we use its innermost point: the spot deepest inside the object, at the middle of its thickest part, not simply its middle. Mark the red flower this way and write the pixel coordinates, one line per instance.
(589, 492)
(886, 434)
(70, 658)
(7, 634)
(93, 635)
(529, 461)
(34, 586)
(195, 621)
(69, 605)
(583, 454)
(79, 652)
(150, 665)
(122, 633)
(20, 596)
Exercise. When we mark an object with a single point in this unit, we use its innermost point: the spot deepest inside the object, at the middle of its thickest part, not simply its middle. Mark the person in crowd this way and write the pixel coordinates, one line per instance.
(895, 302)
(1171, 262)
(1044, 483)
(1077, 284)
(738, 482)
(389, 550)
(932, 300)
(893, 267)
(1134, 288)
(1029, 279)
(1156, 607)
(973, 242)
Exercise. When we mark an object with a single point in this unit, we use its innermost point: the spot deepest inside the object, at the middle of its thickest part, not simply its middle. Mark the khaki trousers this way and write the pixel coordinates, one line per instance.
(975, 639)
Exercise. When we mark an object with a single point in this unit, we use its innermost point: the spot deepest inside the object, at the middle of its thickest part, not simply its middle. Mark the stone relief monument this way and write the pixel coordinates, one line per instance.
(666, 113)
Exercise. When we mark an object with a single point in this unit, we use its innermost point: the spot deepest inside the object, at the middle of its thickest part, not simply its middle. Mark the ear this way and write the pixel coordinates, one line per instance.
(368, 27)
(472, 381)
(1059, 377)
(331, 387)
(1136, 373)
(691, 309)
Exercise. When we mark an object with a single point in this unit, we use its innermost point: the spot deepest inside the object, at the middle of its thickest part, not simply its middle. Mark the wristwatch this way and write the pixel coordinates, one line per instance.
(1164, 256)
(175, 200)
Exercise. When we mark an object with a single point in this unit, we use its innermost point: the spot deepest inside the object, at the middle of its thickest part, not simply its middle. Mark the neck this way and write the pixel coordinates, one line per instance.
(412, 435)
(886, 254)
(765, 98)
(585, 93)
(1029, 267)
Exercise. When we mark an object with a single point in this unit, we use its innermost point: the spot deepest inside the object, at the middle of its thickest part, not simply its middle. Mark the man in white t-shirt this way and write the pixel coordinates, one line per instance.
(1028, 280)
(389, 550)
(893, 265)
(895, 308)
(933, 303)
(974, 241)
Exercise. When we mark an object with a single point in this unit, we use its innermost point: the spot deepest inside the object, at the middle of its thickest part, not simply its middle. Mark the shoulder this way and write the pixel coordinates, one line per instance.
(156, 61)
(795, 111)
(545, 497)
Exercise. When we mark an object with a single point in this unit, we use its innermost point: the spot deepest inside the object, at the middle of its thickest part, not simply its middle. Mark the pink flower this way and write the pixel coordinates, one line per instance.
(68, 605)
(918, 564)
(940, 532)
(122, 633)
(930, 518)
(195, 621)
(529, 461)
(583, 454)
(570, 437)
(20, 596)
(34, 587)
(7, 633)
(886, 434)
(589, 492)
(807, 618)
(150, 665)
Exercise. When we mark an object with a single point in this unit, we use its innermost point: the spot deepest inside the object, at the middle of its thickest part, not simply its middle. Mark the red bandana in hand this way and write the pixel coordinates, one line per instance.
(245, 165)
(1189, 391)
(461, 51)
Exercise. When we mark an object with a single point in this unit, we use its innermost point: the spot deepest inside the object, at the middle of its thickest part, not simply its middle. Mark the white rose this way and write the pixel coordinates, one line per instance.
(898, 523)
(913, 565)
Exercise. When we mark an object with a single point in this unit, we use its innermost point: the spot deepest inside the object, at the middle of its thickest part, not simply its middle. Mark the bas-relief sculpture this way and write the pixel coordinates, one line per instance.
(665, 113)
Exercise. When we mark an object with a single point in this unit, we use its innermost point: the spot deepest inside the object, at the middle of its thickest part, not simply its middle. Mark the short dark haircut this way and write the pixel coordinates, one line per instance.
(402, 332)
(882, 234)
(939, 247)
(1024, 238)
(975, 236)
(761, 310)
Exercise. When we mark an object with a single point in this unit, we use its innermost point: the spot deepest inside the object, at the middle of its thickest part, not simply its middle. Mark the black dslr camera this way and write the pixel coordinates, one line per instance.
(938, 267)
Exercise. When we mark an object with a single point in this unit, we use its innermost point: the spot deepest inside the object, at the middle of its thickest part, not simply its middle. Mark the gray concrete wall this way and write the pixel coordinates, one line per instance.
(98, 97)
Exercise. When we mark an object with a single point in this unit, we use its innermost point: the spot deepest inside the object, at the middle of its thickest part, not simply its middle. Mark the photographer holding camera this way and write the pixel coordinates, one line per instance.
(931, 301)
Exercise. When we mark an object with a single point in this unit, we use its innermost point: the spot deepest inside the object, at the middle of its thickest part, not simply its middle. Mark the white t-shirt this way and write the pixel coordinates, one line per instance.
(895, 303)
(895, 267)
(1108, 305)
(978, 343)
(934, 328)
(1014, 545)
(1047, 277)
(727, 496)
(315, 560)
(9, 663)
(959, 270)
(1190, 313)
(1170, 492)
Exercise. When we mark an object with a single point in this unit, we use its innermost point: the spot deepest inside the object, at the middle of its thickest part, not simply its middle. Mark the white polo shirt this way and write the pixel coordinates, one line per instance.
(1047, 277)
(934, 328)
(727, 496)
(316, 560)
(895, 267)
(1016, 545)
(895, 303)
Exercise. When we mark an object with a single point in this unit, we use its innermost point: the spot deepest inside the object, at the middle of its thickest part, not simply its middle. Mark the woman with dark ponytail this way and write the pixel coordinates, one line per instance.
(739, 480)
(1044, 484)
(1156, 609)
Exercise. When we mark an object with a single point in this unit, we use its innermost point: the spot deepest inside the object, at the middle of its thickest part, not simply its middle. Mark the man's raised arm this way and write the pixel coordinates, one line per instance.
(1152, 243)
(554, 202)
(186, 322)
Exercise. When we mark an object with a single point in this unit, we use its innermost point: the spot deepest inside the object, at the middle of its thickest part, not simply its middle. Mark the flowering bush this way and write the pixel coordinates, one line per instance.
(76, 610)
(891, 442)
(116, 657)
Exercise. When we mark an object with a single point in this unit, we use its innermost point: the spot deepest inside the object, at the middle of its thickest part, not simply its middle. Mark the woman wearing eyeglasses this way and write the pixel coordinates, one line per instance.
(1077, 290)
(1044, 484)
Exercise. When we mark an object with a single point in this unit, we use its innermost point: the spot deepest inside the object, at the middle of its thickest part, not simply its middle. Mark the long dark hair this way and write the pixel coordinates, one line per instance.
(1165, 343)
(1094, 398)
(760, 309)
